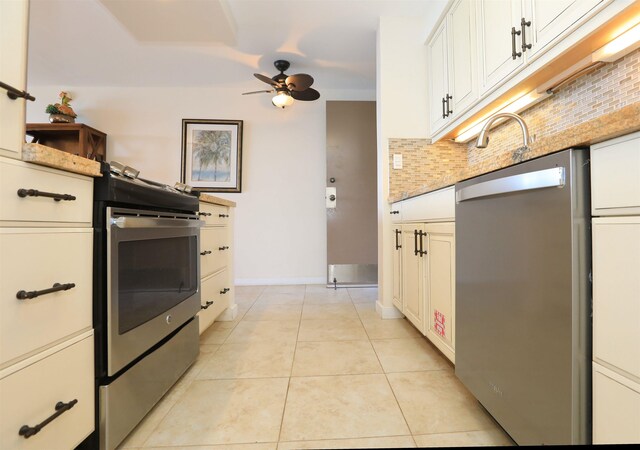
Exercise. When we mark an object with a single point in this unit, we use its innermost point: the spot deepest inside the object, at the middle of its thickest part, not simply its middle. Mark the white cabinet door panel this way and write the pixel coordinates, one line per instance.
(438, 76)
(616, 292)
(462, 56)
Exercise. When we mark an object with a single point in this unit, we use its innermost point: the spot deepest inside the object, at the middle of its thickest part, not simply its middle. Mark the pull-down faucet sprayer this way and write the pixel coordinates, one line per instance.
(483, 138)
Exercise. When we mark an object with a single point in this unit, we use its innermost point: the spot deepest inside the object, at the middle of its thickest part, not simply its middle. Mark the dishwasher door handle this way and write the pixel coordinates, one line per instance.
(540, 179)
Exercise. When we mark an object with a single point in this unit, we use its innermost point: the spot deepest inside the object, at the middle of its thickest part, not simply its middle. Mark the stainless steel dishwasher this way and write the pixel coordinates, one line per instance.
(523, 297)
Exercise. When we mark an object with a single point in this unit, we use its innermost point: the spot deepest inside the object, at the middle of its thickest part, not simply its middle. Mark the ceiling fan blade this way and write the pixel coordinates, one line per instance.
(257, 92)
(266, 80)
(299, 82)
(306, 95)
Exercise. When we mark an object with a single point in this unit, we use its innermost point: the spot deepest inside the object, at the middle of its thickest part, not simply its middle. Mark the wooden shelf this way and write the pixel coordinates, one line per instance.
(75, 138)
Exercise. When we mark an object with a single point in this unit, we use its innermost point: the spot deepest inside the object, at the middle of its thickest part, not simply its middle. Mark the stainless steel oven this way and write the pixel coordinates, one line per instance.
(152, 279)
(145, 297)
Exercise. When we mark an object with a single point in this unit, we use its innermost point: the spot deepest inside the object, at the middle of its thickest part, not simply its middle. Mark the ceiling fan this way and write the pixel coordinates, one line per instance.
(287, 87)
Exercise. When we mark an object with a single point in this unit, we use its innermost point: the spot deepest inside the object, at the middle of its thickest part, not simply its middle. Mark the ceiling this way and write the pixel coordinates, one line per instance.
(210, 42)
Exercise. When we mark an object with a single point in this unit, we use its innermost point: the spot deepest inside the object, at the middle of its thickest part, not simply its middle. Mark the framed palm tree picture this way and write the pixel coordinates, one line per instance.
(212, 155)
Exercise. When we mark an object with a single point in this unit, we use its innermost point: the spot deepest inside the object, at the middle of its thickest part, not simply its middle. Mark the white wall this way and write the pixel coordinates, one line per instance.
(280, 223)
(401, 93)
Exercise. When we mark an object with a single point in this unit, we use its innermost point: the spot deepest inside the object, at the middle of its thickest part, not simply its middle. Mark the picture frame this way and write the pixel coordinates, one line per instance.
(212, 155)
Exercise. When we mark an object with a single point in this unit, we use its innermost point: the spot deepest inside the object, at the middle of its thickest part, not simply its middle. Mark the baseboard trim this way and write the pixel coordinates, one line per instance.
(388, 312)
(279, 281)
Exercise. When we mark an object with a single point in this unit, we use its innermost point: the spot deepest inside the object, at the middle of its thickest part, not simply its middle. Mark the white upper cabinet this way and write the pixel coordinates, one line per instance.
(14, 17)
(499, 40)
(438, 78)
(452, 64)
(550, 18)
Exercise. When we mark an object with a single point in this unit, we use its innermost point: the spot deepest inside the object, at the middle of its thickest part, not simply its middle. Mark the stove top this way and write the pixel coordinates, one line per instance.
(121, 186)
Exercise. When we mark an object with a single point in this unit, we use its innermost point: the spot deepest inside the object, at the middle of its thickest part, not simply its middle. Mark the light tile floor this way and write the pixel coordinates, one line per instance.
(311, 367)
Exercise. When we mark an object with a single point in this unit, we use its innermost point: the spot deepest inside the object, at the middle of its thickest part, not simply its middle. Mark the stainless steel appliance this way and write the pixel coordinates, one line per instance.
(146, 296)
(523, 325)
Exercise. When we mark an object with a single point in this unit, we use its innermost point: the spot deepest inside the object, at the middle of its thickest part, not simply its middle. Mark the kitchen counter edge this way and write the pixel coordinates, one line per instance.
(57, 159)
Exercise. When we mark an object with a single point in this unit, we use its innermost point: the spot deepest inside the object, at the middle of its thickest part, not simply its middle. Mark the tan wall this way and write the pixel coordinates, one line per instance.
(594, 95)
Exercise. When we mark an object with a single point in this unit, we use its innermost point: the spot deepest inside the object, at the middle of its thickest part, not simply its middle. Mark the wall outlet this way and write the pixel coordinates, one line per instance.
(397, 160)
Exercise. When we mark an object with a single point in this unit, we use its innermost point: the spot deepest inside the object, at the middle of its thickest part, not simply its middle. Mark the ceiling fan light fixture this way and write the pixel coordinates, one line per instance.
(282, 99)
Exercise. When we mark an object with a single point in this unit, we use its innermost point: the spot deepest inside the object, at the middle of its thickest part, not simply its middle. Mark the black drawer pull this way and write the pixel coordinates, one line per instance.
(225, 247)
(204, 214)
(394, 212)
(26, 295)
(206, 252)
(206, 305)
(26, 431)
(14, 93)
(223, 215)
(224, 291)
(35, 193)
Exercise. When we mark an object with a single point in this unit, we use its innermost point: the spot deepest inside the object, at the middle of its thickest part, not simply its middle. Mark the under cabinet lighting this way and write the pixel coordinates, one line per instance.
(515, 106)
(620, 46)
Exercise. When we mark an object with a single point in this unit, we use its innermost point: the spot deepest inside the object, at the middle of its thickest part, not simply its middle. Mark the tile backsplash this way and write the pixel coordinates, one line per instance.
(605, 90)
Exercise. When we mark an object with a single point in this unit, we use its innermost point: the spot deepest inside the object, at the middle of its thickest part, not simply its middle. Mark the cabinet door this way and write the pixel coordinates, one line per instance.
(616, 408)
(13, 70)
(438, 75)
(616, 288)
(440, 288)
(550, 18)
(412, 275)
(495, 21)
(396, 251)
(462, 55)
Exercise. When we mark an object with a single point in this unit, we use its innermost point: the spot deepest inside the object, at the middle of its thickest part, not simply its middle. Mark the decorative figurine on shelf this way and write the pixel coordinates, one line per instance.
(61, 112)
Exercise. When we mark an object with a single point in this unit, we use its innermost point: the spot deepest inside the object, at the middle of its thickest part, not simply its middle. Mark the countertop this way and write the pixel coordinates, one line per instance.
(208, 198)
(51, 157)
(617, 123)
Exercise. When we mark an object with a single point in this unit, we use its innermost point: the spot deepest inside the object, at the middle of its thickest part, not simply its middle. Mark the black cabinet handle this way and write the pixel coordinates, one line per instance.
(415, 242)
(206, 252)
(35, 193)
(398, 246)
(223, 215)
(224, 291)
(394, 212)
(444, 114)
(421, 251)
(523, 26)
(204, 214)
(26, 431)
(225, 247)
(14, 93)
(449, 110)
(26, 295)
(514, 33)
(206, 305)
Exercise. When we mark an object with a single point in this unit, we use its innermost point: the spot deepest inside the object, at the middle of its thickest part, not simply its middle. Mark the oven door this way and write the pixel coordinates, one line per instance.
(153, 273)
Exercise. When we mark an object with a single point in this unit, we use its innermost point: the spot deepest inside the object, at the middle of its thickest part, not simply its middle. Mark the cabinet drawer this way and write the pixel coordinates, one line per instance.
(616, 408)
(33, 259)
(15, 175)
(616, 302)
(214, 214)
(213, 290)
(30, 394)
(215, 246)
(615, 176)
(437, 205)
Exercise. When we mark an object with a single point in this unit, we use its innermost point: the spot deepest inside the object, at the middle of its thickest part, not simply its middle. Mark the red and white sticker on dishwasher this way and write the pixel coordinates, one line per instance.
(438, 322)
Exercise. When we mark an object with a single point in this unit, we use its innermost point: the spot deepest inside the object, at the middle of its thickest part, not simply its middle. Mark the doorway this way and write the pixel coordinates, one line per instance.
(352, 245)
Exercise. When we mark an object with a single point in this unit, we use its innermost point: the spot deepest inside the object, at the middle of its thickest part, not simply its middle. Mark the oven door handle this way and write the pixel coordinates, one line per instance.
(154, 222)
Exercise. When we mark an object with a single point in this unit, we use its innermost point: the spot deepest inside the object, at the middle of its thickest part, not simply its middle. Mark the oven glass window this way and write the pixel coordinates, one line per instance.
(154, 275)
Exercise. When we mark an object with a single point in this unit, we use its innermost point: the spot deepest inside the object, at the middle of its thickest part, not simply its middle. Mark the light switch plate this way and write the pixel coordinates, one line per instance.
(397, 160)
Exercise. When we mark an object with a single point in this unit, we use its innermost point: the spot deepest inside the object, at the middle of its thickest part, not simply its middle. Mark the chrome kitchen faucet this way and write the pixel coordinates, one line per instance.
(483, 138)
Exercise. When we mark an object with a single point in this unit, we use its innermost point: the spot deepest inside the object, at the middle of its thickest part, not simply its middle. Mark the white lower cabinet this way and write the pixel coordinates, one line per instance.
(440, 287)
(424, 280)
(216, 259)
(615, 195)
(616, 408)
(56, 384)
